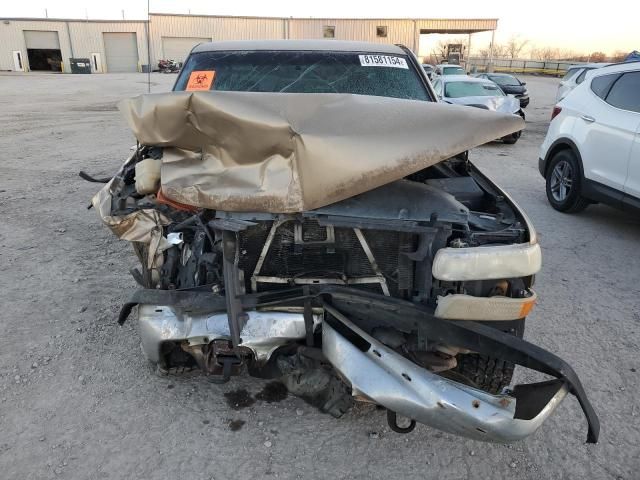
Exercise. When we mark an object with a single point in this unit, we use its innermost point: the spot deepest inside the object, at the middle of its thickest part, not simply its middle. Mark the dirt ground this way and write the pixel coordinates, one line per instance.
(78, 400)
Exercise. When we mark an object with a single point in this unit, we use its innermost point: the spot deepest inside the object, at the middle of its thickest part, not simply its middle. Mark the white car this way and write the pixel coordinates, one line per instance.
(479, 93)
(592, 149)
(575, 76)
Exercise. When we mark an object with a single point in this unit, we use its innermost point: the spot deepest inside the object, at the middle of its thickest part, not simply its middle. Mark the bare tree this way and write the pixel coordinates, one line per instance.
(597, 57)
(548, 53)
(514, 46)
(618, 56)
(533, 52)
(440, 50)
(483, 52)
(500, 50)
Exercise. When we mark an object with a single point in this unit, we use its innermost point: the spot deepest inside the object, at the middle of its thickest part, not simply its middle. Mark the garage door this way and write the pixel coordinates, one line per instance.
(177, 48)
(121, 51)
(43, 50)
(41, 40)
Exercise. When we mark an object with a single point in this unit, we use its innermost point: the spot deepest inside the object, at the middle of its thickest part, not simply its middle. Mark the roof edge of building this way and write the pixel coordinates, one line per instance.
(153, 14)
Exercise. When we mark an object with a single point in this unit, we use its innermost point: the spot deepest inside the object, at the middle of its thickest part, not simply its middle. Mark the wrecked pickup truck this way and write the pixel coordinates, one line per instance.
(305, 211)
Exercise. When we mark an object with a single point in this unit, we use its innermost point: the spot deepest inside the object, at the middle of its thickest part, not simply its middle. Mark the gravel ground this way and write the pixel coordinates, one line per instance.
(78, 400)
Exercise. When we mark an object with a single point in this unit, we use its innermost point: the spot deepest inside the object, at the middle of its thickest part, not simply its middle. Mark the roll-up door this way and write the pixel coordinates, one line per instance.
(121, 51)
(43, 50)
(40, 39)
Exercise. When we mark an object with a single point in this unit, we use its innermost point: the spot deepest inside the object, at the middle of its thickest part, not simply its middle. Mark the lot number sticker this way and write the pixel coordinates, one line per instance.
(382, 61)
(200, 80)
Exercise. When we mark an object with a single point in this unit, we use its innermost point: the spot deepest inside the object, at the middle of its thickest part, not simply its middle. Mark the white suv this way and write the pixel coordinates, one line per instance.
(592, 149)
(575, 76)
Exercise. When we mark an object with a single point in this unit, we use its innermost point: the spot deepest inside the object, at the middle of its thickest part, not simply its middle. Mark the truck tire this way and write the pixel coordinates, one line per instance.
(484, 372)
(513, 138)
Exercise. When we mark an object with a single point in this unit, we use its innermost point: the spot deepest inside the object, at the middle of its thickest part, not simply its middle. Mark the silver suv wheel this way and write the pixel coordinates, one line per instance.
(561, 181)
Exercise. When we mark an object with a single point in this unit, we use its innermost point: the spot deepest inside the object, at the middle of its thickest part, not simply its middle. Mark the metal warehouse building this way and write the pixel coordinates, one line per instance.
(121, 45)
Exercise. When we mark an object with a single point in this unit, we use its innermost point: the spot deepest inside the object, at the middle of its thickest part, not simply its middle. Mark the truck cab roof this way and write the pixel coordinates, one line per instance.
(300, 45)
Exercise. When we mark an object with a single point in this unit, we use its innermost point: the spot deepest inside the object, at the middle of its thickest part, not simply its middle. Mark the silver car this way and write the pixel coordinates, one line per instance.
(444, 69)
(480, 93)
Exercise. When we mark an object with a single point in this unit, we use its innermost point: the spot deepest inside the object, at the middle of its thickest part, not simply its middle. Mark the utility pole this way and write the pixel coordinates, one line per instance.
(148, 48)
(493, 38)
(123, 13)
(46, 13)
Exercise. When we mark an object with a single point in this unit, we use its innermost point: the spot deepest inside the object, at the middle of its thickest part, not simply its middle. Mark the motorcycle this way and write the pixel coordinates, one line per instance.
(169, 66)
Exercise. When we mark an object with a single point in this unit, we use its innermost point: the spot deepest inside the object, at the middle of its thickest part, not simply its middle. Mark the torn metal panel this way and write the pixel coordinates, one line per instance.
(473, 336)
(386, 378)
(284, 153)
(135, 227)
(142, 226)
(263, 332)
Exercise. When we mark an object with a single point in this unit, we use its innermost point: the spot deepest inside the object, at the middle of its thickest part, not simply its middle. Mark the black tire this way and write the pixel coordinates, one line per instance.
(513, 138)
(564, 183)
(484, 372)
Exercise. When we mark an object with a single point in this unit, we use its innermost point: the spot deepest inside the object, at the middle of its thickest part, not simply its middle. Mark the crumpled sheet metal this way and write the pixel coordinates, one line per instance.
(135, 227)
(293, 152)
(144, 226)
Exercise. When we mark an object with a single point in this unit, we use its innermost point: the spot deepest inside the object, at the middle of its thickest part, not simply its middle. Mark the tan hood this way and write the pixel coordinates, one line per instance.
(291, 152)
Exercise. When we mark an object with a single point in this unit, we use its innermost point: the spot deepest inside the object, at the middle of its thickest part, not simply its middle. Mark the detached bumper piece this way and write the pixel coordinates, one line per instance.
(387, 378)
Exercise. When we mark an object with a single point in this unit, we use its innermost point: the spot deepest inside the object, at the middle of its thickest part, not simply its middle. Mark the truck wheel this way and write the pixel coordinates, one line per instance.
(513, 138)
(484, 372)
(563, 181)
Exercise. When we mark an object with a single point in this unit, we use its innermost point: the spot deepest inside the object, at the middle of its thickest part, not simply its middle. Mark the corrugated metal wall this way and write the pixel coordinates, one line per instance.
(398, 31)
(87, 36)
(462, 24)
(214, 28)
(12, 38)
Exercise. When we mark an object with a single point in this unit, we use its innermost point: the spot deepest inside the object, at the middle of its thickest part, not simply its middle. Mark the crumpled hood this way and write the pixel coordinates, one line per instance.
(506, 104)
(292, 152)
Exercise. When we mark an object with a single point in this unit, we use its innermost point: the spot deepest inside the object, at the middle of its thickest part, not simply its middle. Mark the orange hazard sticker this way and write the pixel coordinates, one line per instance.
(201, 80)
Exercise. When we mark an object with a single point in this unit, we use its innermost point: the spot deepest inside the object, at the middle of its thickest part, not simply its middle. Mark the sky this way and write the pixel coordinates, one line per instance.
(576, 26)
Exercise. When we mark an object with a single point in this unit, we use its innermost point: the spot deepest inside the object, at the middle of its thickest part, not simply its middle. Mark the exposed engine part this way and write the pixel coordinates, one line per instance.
(316, 383)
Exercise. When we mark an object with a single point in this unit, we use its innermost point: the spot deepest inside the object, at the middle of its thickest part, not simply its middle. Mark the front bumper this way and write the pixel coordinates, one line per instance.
(542, 166)
(524, 100)
(388, 379)
(263, 333)
(375, 371)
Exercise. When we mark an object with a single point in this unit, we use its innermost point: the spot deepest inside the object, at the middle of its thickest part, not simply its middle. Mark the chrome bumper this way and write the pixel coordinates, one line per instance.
(388, 379)
(373, 370)
(264, 331)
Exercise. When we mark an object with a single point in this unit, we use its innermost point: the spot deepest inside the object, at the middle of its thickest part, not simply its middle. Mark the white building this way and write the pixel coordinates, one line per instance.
(121, 45)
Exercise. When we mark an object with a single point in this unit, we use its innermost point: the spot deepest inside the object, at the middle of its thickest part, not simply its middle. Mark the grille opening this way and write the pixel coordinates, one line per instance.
(315, 257)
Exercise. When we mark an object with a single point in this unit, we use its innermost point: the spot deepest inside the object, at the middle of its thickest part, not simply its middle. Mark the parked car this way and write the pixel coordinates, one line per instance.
(592, 149)
(480, 93)
(429, 70)
(575, 76)
(510, 85)
(316, 221)
(449, 69)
